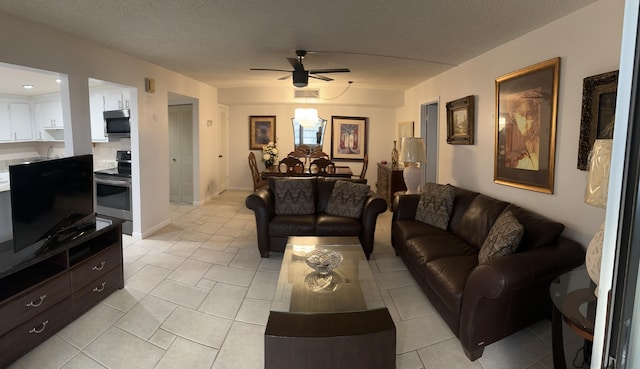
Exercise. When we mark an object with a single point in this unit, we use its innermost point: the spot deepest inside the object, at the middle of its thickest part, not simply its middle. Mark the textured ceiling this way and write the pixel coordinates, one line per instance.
(386, 44)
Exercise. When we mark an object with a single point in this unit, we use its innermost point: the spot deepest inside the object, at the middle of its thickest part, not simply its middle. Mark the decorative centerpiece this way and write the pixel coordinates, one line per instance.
(323, 261)
(269, 154)
(394, 156)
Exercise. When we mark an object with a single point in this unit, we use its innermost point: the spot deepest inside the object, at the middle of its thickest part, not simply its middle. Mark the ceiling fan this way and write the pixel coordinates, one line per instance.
(301, 75)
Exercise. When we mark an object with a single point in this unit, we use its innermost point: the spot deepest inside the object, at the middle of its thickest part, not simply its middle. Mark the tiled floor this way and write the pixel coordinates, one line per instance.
(197, 295)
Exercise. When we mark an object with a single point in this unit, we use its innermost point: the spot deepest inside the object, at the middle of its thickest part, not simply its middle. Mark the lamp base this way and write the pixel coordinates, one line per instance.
(593, 257)
(412, 174)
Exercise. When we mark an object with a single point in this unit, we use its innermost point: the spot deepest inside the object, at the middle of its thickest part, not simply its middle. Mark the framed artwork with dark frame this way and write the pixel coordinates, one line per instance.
(262, 130)
(526, 110)
(461, 121)
(348, 138)
(598, 112)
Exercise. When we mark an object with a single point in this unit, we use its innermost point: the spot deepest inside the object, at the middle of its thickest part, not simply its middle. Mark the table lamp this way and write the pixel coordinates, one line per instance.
(596, 195)
(412, 152)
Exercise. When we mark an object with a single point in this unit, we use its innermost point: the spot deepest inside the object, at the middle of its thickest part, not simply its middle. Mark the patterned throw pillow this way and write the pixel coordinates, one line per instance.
(294, 196)
(503, 238)
(347, 199)
(435, 205)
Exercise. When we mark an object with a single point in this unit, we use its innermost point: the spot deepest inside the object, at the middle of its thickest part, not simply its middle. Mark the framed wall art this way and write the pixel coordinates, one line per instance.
(598, 112)
(262, 130)
(526, 109)
(404, 129)
(461, 121)
(348, 138)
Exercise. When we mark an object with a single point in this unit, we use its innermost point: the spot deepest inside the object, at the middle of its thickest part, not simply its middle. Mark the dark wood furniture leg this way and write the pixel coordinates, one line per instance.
(557, 343)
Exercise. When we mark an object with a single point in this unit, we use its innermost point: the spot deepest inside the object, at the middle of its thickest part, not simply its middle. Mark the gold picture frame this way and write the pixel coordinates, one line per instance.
(262, 130)
(348, 138)
(526, 110)
(461, 121)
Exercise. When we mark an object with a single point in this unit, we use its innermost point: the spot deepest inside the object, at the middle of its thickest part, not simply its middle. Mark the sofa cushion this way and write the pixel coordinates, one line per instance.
(447, 278)
(436, 202)
(461, 202)
(334, 225)
(347, 199)
(538, 230)
(292, 225)
(503, 238)
(436, 245)
(294, 196)
(478, 219)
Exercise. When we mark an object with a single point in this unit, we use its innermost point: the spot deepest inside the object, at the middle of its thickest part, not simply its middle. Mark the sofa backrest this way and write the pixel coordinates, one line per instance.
(478, 218)
(322, 188)
(538, 230)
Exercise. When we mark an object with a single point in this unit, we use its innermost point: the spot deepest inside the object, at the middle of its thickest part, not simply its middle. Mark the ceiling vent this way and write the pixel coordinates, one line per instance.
(306, 93)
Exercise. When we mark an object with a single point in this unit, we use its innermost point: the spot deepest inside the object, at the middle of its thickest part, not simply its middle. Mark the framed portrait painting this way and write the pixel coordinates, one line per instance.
(598, 112)
(262, 130)
(526, 109)
(348, 138)
(461, 121)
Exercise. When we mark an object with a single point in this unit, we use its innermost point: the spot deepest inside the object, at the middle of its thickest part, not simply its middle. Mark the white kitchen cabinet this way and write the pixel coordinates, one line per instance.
(96, 108)
(15, 122)
(115, 101)
(21, 121)
(49, 125)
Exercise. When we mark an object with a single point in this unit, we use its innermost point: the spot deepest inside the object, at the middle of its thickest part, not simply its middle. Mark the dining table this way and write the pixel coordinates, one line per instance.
(341, 172)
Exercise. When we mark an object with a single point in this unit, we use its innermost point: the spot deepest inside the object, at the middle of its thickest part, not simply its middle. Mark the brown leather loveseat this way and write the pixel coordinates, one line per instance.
(315, 211)
(482, 302)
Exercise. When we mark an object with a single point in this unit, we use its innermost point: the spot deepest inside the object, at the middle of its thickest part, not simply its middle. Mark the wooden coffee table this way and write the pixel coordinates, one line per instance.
(335, 321)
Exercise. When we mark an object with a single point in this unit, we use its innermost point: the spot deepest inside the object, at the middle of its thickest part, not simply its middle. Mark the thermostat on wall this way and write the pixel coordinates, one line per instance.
(150, 85)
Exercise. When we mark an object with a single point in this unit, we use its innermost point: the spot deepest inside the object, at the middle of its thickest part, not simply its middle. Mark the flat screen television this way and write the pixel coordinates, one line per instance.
(49, 198)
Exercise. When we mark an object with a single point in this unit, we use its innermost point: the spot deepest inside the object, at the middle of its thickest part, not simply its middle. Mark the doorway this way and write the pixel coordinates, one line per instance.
(181, 153)
(221, 132)
(429, 130)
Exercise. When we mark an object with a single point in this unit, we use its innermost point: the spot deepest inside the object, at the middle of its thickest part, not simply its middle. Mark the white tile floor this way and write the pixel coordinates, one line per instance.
(197, 295)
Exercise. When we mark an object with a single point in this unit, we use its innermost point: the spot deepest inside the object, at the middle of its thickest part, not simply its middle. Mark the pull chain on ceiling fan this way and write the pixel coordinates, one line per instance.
(300, 75)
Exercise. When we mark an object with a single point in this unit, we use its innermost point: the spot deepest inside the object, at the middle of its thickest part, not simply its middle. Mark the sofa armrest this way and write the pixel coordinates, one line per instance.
(374, 205)
(508, 293)
(261, 202)
(405, 206)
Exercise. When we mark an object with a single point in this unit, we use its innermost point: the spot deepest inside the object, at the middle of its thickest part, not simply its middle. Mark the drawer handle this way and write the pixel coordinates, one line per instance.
(101, 288)
(36, 304)
(38, 331)
(99, 267)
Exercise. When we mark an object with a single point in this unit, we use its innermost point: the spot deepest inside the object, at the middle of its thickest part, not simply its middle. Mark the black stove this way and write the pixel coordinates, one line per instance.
(123, 158)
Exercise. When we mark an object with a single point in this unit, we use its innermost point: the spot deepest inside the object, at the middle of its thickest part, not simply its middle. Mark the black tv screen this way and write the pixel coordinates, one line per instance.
(49, 196)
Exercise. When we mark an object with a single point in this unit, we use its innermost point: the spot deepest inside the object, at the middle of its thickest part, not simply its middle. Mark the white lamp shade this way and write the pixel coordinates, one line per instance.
(412, 150)
(598, 177)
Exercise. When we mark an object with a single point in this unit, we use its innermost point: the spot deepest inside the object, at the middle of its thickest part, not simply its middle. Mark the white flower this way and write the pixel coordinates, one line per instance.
(266, 156)
(275, 151)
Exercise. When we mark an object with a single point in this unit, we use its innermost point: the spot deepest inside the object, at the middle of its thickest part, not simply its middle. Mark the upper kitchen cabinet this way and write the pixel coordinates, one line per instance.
(96, 107)
(116, 100)
(48, 120)
(15, 122)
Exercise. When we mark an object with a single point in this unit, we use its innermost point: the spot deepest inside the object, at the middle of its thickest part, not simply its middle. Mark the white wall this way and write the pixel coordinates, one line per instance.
(32, 45)
(377, 105)
(588, 42)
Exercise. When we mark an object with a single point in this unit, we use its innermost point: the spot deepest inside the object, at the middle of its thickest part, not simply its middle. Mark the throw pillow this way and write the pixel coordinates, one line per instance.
(347, 199)
(435, 204)
(293, 196)
(503, 238)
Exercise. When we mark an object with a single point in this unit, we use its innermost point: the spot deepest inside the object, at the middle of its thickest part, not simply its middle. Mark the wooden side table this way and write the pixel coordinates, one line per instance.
(574, 303)
(390, 181)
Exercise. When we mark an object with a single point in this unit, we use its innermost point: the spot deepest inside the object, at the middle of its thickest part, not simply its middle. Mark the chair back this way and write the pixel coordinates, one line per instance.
(318, 153)
(255, 174)
(322, 166)
(365, 164)
(290, 165)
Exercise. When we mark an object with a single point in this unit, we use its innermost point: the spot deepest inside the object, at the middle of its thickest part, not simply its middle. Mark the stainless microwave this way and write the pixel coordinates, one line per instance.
(117, 123)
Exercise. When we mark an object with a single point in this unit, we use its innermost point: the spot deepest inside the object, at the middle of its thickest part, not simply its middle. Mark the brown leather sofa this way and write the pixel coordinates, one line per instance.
(482, 303)
(274, 229)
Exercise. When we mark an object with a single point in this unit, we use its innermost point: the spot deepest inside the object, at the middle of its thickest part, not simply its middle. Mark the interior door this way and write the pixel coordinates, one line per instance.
(181, 153)
(222, 127)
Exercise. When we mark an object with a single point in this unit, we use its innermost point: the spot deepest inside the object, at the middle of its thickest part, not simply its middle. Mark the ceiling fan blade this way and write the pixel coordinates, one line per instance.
(284, 77)
(270, 70)
(333, 70)
(295, 63)
(321, 78)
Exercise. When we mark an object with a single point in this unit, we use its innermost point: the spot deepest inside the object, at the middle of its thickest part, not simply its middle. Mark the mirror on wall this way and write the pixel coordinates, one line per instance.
(308, 133)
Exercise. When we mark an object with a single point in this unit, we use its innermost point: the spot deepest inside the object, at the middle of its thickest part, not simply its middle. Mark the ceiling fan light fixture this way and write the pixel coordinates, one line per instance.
(300, 78)
(307, 117)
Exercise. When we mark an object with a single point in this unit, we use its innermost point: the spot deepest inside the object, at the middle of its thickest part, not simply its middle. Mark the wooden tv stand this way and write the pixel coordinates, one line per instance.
(40, 295)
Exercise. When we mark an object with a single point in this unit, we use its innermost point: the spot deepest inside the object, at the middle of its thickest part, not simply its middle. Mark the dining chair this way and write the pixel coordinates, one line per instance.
(290, 165)
(318, 153)
(365, 164)
(322, 166)
(255, 174)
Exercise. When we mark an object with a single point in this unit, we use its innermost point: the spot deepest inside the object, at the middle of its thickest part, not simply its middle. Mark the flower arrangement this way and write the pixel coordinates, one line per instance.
(269, 154)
